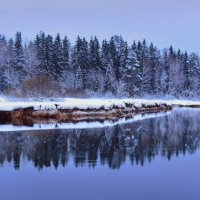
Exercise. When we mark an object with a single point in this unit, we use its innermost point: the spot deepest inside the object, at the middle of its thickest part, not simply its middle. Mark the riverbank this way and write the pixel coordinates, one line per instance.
(27, 113)
(75, 110)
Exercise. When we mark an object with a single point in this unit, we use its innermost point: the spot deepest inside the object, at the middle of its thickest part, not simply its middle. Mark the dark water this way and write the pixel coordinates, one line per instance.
(156, 158)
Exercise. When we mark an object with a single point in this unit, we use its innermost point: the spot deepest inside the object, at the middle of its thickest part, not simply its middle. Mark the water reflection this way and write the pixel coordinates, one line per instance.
(138, 142)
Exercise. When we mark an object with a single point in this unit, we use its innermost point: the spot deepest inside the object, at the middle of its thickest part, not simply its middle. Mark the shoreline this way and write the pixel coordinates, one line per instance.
(79, 110)
(29, 116)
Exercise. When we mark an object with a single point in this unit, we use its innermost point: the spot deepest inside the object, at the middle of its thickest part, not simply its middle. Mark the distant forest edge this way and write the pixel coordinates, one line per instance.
(53, 67)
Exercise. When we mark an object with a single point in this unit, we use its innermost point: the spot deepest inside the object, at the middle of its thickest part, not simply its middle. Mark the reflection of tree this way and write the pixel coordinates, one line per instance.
(140, 141)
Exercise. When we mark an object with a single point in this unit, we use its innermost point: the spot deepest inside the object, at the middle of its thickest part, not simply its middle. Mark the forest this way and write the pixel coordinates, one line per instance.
(51, 66)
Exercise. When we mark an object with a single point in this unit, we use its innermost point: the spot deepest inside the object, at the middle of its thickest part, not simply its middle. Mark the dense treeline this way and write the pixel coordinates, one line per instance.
(51, 66)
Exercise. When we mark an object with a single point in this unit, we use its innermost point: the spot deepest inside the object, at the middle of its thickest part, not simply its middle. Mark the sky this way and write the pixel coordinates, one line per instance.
(163, 22)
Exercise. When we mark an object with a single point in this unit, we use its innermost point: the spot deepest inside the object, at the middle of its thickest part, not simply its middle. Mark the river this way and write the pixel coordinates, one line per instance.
(146, 159)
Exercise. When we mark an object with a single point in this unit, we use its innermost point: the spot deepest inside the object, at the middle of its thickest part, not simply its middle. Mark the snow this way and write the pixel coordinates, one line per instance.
(81, 125)
(70, 103)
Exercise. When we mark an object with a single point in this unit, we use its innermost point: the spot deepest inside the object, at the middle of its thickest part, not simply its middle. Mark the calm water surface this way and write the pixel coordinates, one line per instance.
(150, 159)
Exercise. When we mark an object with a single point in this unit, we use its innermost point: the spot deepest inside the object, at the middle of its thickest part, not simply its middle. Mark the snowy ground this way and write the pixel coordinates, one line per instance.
(70, 103)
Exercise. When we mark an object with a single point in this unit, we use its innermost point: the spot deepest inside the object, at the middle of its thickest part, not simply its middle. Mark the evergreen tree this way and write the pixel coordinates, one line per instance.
(80, 61)
(9, 73)
(95, 67)
(105, 55)
(19, 60)
(94, 54)
(186, 72)
(114, 57)
(119, 55)
(67, 76)
(49, 67)
(131, 74)
(66, 53)
(165, 73)
(153, 61)
(108, 68)
(41, 53)
(3, 58)
(58, 58)
(31, 60)
(194, 75)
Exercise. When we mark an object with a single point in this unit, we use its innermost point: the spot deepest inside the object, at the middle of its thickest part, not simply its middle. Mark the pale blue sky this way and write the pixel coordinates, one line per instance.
(164, 22)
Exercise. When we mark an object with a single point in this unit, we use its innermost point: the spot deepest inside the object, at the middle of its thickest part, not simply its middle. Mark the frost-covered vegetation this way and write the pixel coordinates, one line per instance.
(52, 67)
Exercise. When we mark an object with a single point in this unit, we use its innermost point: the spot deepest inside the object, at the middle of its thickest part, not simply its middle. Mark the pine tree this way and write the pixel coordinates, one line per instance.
(140, 58)
(9, 73)
(94, 54)
(119, 54)
(66, 53)
(42, 53)
(108, 68)
(186, 72)
(31, 60)
(194, 75)
(58, 58)
(19, 60)
(165, 73)
(104, 55)
(146, 68)
(176, 83)
(80, 59)
(3, 58)
(114, 57)
(84, 61)
(95, 66)
(49, 57)
(67, 77)
(153, 64)
(131, 75)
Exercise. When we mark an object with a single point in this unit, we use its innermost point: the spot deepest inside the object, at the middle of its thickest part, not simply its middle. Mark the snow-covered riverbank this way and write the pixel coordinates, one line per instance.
(95, 112)
(75, 110)
(70, 103)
